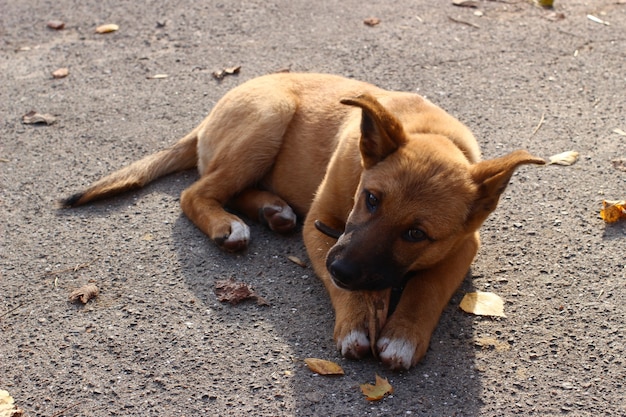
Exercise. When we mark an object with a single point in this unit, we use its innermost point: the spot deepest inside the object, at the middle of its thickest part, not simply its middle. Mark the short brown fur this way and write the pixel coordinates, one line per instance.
(399, 179)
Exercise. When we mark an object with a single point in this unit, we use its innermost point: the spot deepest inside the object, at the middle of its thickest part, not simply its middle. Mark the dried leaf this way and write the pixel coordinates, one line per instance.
(157, 76)
(483, 304)
(564, 158)
(61, 73)
(55, 24)
(371, 21)
(147, 237)
(85, 293)
(465, 3)
(32, 117)
(619, 164)
(545, 3)
(597, 20)
(378, 391)
(297, 261)
(108, 28)
(619, 131)
(377, 309)
(323, 367)
(7, 406)
(226, 71)
(613, 211)
(227, 290)
(492, 343)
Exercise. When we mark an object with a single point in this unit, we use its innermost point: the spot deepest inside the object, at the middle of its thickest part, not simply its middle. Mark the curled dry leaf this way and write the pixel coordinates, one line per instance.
(230, 291)
(619, 131)
(613, 211)
(226, 71)
(483, 304)
(377, 309)
(323, 367)
(55, 24)
(32, 117)
(7, 406)
(371, 21)
(378, 391)
(85, 293)
(492, 343)
(297, 261)
(564, 158)
(61, 73)
(465, 3)
(619, 164)
(108, 28)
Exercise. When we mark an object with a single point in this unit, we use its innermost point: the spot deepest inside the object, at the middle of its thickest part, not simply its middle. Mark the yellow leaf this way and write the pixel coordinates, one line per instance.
(110, 27)
(378, 391)
(564, 158)
(613, 211)
(7, 406)
(297, 261)
(323, 367)
(483, 304)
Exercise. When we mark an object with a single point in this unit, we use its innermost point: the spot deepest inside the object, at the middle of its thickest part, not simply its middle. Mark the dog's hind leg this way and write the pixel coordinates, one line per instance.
(265, 207)
(237, 146)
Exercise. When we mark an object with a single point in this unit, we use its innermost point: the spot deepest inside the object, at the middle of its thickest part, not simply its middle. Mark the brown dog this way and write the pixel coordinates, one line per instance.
(392, 188)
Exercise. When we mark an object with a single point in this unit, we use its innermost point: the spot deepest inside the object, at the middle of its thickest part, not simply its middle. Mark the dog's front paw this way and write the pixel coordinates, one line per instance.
(355, 345)
(400, 350)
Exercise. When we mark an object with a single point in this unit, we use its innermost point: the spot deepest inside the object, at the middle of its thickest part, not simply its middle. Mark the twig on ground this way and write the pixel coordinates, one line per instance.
(543, 115)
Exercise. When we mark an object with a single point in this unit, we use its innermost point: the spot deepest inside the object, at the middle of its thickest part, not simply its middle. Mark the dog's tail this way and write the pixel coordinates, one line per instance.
(182, 155)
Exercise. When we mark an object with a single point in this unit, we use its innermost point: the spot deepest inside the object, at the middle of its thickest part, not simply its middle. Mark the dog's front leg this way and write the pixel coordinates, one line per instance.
(406, 336)
(351, 311)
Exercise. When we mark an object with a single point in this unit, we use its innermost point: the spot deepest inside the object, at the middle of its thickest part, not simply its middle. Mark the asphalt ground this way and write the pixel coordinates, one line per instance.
(156, 341)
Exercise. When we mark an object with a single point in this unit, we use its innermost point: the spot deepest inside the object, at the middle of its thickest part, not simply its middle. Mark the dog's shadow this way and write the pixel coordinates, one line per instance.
(258, 351)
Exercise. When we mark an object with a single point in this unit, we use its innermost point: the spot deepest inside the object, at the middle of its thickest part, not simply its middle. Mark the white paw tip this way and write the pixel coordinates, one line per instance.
(239, 232)
(396, 353)
(353, 344)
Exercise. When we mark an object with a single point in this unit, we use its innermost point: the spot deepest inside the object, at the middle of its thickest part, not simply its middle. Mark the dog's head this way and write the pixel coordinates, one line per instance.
(417, 199)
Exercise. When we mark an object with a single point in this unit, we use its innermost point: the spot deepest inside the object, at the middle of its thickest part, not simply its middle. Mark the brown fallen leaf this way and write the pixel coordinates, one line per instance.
(483, 304)
(108, 28)
(564, 158)
(228, 290)
(378, 391)
(492, 343)
(32, 117)
(619, 164)
(297, 261)
(377, 309)
(85, 293)
(323, 367)
(371, 21)
(219, 75)
(61, 73)
(55, 24)
(612, 211)
(465, 3)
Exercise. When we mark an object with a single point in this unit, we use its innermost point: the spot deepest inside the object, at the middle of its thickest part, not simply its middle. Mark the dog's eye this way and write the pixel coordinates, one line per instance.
(415, 235)
(371, 201)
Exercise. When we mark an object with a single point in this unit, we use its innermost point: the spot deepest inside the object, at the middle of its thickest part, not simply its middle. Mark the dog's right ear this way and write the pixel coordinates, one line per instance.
(381, 132)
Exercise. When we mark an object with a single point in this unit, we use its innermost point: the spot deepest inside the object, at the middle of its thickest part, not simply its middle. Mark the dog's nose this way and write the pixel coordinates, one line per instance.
(344, 272)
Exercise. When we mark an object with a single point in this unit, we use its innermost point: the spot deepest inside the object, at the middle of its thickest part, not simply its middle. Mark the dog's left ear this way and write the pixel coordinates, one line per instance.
(492, 177)
(381, 132)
